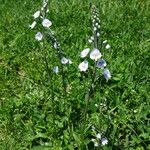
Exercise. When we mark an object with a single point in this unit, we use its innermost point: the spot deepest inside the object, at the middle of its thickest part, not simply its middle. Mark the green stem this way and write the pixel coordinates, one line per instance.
(62, 72)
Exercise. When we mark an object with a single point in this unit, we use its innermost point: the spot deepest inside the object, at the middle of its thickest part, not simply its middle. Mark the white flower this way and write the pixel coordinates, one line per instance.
(98, 136)
(99, 26)
(95, 54)
(96, 105)
(96, 24)
(108, 46)
(46, 23)
(98, 34)
(104, 141)
(41, 17)
(104, 42)
(36, 14)
(84, 53)
(93, 20)
(55, 45)
(47, 10)
(64, 60)
(96, 144)
(90, 41)
(42, 8)
(95, 28)
(92, 38)
(93, 140)
(107, 74)
(44, 5)
(83, 66)
(32, 25)
(39, 36)
(56, 69)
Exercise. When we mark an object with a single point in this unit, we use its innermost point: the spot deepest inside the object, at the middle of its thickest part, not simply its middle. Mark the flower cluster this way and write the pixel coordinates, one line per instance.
(47, 32)
(41, 14)
(99, 139)
(95, 53)
(96, 27)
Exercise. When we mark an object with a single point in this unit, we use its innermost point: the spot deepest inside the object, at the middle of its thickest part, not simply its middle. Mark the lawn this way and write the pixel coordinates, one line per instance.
(42, 110)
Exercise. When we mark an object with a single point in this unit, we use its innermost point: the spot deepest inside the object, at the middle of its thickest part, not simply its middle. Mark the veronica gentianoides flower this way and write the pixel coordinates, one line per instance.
(108, 46)
(56, 69)
(84, 53)
(101, 63)
(36, 14)
(104, 141)
(98, 136)
(95, 54)
(64, 60)
(39, 36)
(83, 66)
(107, 74)
(46, 23)
(32, 25)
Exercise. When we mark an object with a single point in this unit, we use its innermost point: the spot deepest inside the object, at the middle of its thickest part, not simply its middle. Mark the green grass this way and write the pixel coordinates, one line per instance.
(25, 106)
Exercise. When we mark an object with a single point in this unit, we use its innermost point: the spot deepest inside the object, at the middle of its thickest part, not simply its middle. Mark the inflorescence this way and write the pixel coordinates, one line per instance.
(94, 53)
(47, 33)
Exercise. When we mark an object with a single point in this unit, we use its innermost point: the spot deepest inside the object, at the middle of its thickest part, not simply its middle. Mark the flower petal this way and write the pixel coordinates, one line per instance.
(83, 66)
(56, 69)
(39, 36)
(101, 63)
(107, 74)
(104, 141)
(36, 14)
(95, 54)
(46, 23)
(32, 25)
(85, 52)
(64, 60)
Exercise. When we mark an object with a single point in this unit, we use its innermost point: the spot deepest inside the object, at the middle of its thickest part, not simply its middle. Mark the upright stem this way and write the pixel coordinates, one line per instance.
(91, 86)
(50, 89)
(62, 71)
(47, 67)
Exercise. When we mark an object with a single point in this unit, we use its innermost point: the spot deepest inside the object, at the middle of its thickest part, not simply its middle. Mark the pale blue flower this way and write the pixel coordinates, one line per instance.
(96, 143)
(39, 36)
(101, 63)
(107, 74)
(98, 136)
(98, 34)
(56, 69)
(32, 25)
(108, 46)
(36, 14)
(55, 45)
(84, 53)
(90, 41)
(104, 141)
(46, 23)
(95, 54)
(64, 60)
(83, 66)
